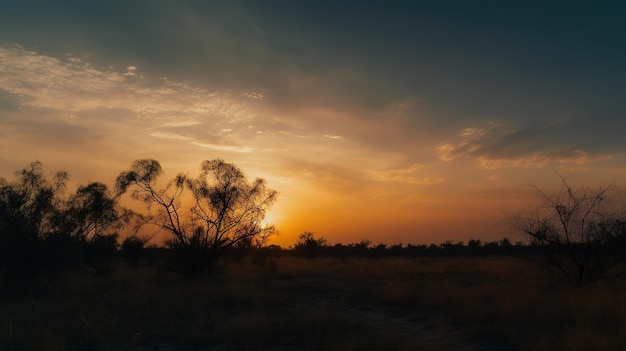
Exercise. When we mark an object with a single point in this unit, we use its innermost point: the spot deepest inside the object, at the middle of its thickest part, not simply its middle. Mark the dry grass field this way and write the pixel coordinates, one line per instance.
(288, 303)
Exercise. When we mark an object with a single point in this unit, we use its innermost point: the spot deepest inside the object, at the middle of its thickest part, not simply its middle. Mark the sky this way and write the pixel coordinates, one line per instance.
(396, 121)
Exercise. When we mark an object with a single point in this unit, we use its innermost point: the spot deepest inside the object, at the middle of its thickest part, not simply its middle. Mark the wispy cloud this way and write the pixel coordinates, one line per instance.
(499, 147)
(73, 88)
(230, 148)
(72, 84)
(413, 174)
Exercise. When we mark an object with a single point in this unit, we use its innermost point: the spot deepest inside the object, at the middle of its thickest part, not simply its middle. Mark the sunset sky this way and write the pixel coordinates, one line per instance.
(397, 122)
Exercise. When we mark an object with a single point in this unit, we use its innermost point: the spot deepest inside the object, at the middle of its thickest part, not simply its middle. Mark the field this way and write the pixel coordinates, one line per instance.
(289, 303)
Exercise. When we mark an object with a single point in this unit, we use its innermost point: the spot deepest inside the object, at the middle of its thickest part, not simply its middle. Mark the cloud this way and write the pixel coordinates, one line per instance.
(64, 110)
(229, 148)
(497, 147)
(253, 95)
(131, 71)
(410, 175)
(540, 160)
(9, 101)
(343, 180)
(90, 98)
(73, 85)
(200, 143)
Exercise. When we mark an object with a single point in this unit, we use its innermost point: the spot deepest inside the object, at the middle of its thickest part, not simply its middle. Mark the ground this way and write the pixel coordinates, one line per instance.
(287, 303)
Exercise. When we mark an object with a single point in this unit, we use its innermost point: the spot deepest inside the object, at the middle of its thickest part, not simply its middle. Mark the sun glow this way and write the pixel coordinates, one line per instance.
(269, 220)
(390, 155)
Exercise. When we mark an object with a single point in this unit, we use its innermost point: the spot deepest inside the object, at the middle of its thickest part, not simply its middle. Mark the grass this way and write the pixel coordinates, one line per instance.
(320, 304)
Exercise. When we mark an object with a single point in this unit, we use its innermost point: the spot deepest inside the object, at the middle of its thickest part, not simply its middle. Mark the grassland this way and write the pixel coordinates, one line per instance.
(288, 303)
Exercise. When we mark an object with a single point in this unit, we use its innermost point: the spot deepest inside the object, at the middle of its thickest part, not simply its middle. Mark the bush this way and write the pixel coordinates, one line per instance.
(132, 248)
(582, 232)
(309, 246)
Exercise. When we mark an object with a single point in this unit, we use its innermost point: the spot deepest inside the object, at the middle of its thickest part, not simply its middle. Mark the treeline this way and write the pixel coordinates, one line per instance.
(310, 246)
(46, 229)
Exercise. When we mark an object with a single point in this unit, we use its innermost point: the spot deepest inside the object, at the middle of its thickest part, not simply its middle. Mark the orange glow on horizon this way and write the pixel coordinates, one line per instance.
(390, 167)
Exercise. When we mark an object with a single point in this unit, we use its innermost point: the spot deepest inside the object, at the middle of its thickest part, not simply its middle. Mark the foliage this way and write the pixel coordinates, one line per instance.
(206, 215)
(132, 248)
(582, 231)
(91, 212)
(27, 210)
(42, 230)
(308, 245)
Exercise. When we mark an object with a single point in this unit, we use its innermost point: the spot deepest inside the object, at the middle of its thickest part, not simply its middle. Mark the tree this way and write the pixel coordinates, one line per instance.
(581, 231)
(92, 212)
(308, 245)
(42, 228)
(133, 247)
(28, 209)
(206, 215)
(92, 217)
(474, 246)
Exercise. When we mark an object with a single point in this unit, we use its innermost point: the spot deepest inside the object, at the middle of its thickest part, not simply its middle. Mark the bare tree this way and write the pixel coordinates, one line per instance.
(206, 215)
(581, 231)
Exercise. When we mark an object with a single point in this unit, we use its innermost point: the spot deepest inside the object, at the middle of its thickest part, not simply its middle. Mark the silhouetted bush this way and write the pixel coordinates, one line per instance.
(309, 246)
(132, 248)
(396, 250)
(100, 250)
(261, 255)
(379, 251)
(581, 232)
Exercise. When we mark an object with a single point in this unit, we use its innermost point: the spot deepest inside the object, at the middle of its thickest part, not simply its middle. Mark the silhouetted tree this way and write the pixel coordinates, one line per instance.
(416, 250)
(309, 246)
(92, 212)
(28, 209)
(361, 248)
(42, 229)
(432, 250)
(582, 232)
(222, 209)
(474, 247)
(396, 250)
(450, 248)
(379, 250)
(491, 248)
(132, 248)
(92, 217)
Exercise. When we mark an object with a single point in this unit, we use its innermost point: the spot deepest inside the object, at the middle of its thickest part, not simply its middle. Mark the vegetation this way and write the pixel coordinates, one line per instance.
(492, 303)
(43, 230)
(309, 246)
(581, 232)
(67, 284)
(225, 211)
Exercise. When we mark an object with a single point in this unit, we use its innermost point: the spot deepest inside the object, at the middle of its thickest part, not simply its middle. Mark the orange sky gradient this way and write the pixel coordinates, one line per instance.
(385, 124)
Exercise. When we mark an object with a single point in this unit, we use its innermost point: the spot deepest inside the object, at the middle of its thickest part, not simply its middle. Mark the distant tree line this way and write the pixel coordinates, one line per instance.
(308, 245)
(580, 232)
(216, 217)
